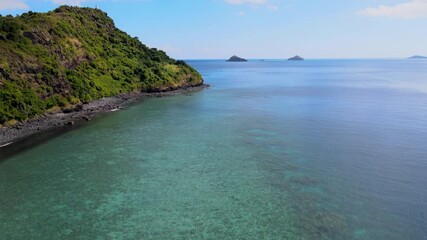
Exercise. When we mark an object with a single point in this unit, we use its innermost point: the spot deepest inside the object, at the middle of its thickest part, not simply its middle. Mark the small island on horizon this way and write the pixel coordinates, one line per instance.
(296, 58)
(417, 57)
(235, 58)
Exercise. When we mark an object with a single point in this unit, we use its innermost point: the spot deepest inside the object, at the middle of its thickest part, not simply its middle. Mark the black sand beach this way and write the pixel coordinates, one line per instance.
(47, 122)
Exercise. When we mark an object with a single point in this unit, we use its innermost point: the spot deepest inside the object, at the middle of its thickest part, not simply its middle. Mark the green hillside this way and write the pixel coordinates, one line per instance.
(74, 55)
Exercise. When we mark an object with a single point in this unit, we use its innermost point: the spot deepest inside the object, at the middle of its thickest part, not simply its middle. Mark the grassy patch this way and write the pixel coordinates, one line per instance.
(74, 55)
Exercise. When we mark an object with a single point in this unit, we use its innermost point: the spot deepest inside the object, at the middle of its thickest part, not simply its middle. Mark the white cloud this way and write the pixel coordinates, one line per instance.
(255, 2)
(412, 9)
(13, 5)
(241, 13)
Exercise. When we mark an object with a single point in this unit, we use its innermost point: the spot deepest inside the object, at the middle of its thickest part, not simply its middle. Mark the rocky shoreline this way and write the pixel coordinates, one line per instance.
(44, 123)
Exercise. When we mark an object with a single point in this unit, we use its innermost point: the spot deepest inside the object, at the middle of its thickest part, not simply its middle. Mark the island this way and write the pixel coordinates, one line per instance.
(418, 57)
(296, 58)
(236, 59)
(66, 64)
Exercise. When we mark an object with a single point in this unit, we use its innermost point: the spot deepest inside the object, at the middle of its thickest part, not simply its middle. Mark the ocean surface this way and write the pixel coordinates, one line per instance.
(320, 149)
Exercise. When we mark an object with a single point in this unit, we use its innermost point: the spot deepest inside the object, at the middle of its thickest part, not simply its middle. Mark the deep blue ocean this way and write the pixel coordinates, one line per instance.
(318, 149)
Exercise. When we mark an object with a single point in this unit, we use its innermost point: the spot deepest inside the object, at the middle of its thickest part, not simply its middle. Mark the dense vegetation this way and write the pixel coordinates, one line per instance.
(72, 55)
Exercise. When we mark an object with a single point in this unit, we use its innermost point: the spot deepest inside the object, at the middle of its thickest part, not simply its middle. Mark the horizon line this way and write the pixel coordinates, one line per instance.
(365, 58)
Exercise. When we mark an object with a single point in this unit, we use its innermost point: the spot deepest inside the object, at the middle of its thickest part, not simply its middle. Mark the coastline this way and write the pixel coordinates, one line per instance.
(10, 135)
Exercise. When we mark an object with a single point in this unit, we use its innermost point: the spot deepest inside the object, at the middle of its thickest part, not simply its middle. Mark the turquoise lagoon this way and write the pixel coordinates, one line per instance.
(320, 149)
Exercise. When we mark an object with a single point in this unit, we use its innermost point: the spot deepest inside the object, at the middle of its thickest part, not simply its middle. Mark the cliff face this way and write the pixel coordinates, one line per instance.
(74, 55)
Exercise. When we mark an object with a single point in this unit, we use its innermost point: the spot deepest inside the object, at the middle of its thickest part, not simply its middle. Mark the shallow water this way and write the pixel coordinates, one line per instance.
(320, 149)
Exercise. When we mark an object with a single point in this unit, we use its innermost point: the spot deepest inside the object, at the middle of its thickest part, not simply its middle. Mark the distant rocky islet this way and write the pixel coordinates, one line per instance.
(235, 58)
(296, 58)
(417, 57)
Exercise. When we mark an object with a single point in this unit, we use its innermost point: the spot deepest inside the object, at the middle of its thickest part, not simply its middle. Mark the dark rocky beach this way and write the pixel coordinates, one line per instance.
(85, 112)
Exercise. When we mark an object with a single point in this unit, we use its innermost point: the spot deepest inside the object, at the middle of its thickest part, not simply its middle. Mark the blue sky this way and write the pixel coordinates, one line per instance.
(202, 29)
